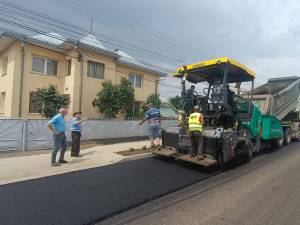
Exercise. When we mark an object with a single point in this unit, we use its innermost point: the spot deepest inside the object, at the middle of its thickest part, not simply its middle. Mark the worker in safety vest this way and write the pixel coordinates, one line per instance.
(195, 128)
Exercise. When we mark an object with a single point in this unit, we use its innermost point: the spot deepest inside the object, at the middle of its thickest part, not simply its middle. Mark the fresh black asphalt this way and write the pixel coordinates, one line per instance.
(88, 196)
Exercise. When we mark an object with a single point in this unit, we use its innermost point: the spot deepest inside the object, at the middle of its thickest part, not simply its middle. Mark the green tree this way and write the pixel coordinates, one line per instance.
(107, 100)
(154, 99)
(175, 102)
(48, 100)
(126, 97)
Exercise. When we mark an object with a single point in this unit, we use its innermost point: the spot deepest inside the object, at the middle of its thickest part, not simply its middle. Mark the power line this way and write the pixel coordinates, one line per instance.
(156, 34)
(136, 28)
(28, 28)
(120, 43)
(17, 19)
(106, 67)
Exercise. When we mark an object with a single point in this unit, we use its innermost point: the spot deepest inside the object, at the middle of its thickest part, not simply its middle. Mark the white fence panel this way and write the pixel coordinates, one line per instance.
(33, 134)
(38, 136)
(11, 133)
(104, 129)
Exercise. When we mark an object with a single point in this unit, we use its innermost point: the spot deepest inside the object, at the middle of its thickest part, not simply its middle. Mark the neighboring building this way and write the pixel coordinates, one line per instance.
(77, 68)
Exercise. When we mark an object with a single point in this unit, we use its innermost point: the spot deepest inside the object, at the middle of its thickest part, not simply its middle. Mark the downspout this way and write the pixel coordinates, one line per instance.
(21, 78)
(156, 86)
(80, 59)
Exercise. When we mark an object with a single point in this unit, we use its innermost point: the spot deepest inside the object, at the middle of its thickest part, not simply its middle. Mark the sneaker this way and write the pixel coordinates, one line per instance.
(62, 161)
(55, 164)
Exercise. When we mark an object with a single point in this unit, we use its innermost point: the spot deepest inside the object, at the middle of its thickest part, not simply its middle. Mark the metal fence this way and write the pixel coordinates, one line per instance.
(16, 134)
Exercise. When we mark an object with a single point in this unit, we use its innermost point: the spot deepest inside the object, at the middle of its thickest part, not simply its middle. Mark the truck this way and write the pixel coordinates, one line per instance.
(235, 127)
(280, 98)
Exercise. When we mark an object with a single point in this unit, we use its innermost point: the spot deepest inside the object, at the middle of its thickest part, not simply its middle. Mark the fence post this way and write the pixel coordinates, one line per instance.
(24, 135)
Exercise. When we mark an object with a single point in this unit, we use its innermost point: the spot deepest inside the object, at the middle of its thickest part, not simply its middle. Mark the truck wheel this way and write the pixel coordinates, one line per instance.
(277, 143)
(287, 136)
(249, 153)
(297, 137)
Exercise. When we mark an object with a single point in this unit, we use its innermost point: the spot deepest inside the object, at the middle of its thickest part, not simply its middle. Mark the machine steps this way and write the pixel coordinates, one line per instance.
(172, 153)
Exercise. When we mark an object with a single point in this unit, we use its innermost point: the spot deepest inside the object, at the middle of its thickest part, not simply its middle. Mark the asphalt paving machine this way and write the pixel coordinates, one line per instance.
(233, 125)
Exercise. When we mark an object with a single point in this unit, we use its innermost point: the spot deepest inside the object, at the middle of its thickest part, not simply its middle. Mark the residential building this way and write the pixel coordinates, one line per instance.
(77, 68)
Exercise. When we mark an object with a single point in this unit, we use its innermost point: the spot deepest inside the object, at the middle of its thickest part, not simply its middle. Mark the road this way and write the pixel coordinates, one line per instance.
(88, 196)
(265, 191)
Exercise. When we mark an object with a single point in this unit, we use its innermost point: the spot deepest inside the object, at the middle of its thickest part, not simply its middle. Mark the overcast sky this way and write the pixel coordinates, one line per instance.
(264, 35)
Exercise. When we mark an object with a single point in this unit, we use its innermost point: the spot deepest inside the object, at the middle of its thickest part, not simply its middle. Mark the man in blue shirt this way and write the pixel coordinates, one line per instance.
(57, 126)
(76, 133)
(153, 117)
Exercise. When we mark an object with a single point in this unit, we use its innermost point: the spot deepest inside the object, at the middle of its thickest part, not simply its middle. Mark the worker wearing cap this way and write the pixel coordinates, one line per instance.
(195, 128)
(76, 133)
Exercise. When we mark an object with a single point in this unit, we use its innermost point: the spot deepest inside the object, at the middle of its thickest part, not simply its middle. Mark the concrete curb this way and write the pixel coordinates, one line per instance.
(136, 157)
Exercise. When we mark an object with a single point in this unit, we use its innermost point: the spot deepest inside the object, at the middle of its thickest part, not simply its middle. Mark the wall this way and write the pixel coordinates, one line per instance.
(7, 81)
(91, 86)
(148, 81)
(11, 83)
(33, 80)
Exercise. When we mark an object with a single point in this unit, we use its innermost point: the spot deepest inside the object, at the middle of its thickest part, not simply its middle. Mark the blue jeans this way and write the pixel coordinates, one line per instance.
(59, 141)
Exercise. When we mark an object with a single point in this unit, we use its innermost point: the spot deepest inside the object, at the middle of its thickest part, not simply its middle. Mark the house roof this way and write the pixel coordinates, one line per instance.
(57, 42)
(51, 38)
(92, 41)
(126, 59)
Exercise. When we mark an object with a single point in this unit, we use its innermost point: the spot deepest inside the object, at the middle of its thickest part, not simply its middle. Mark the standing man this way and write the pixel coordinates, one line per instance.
(153, 117)
(76, 133)
(189, 99)
(57, 126)
(195, 128)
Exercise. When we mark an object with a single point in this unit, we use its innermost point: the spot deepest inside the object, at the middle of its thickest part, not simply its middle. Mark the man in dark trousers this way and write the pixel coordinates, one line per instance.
(76, 134)
(57, 126)
(195, 128)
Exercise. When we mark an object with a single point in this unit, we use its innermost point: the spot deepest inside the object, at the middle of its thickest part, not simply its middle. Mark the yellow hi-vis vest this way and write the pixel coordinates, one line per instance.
(194, 122)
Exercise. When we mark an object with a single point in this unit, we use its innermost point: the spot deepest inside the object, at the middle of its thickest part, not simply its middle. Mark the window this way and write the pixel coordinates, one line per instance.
(44, 65)
(69, 64)
(2, 103)
(136, 80)
(33, 107)
(137, 107)
(51, 67)
(4, 65)
(95, 70)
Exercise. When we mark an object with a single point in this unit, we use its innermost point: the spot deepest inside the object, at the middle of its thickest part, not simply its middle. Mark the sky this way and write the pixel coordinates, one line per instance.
(263, 35)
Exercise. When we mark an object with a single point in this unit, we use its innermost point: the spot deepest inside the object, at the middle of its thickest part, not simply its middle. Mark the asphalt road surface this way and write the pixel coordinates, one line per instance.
(263, 192)
(89, 196)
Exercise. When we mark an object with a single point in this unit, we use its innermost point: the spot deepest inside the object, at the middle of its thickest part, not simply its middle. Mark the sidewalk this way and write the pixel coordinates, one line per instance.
(33, 166)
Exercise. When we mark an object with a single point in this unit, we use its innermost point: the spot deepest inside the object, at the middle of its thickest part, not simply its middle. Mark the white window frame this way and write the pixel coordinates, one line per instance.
(69, 67)
(31, 94)
(95, 63)
(45, 65)
(134, 80)
(3, 93)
